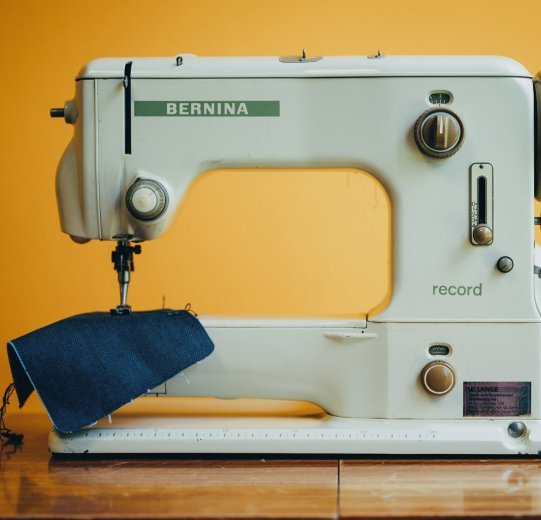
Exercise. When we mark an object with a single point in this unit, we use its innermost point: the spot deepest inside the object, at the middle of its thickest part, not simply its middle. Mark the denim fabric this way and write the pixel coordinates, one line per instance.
(85, 367)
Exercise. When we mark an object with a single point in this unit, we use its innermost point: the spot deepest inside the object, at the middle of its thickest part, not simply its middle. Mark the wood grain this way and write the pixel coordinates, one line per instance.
(440, 488)
(32, 484)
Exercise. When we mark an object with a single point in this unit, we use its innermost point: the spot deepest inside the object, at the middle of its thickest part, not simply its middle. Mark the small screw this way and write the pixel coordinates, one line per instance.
(516, 429)
(505, 264)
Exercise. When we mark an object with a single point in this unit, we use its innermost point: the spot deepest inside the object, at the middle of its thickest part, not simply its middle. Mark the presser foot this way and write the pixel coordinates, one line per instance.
(122, 258)
(121, 310)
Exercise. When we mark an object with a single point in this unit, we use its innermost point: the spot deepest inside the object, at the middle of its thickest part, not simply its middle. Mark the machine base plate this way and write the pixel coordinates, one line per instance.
(318, 434)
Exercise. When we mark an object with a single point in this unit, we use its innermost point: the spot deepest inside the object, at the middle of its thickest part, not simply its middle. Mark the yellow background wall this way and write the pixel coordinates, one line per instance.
(44, 276)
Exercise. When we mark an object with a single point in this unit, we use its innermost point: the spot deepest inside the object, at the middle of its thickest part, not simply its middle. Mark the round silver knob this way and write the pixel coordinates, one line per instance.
(517, 429)
(482, 234)
(146, 199)
(439, 133)
(505, 264)
(438, 378)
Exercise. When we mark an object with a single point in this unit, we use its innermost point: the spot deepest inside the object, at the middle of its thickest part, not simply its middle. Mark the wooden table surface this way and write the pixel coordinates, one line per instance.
(35, 485)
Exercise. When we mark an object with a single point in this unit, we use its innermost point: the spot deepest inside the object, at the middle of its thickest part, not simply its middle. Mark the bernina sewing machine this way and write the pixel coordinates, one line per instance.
(453, 363)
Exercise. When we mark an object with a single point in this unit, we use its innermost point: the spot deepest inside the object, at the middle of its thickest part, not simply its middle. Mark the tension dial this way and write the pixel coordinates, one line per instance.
(146, 199)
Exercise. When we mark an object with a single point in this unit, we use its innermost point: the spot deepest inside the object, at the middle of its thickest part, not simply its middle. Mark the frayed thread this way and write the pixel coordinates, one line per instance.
(10, 437)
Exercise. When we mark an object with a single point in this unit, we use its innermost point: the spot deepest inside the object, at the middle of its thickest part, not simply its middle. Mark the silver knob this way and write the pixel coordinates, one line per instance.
(482, 235)
(439, 133)
(146, 199)
(517, 429)
(505, 264)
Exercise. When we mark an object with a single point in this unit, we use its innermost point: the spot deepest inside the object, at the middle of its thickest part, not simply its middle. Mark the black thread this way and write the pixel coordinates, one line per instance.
(188, 308)
(10, 437)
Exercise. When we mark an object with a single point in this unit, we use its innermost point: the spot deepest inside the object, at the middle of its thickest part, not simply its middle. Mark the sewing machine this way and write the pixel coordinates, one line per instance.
(453, 363)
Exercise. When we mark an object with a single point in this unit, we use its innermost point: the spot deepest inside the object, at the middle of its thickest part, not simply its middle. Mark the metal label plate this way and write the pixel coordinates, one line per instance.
(497, 399)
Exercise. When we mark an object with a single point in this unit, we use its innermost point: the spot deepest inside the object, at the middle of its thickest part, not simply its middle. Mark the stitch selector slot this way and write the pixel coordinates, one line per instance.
(481, 204)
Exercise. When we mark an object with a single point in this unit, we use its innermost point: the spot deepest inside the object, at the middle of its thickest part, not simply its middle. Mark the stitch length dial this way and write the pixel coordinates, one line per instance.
(439, 133)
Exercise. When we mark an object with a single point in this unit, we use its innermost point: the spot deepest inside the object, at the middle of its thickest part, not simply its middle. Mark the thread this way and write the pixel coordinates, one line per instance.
(10, 437)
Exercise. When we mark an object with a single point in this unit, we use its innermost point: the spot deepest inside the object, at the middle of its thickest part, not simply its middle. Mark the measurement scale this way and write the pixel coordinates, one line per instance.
(320, 434)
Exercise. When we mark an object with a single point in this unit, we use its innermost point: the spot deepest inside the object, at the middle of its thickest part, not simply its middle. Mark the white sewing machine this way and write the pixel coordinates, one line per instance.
(453, 364)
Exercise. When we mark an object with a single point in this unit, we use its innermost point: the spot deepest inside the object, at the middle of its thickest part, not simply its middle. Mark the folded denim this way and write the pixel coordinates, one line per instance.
(85, 367)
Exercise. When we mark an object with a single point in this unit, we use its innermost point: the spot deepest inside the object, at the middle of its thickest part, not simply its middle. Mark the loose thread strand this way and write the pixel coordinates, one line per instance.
(188, 308)
(11, 438)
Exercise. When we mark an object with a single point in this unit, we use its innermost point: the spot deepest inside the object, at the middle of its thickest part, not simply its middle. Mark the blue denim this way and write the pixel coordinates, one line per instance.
(85, 367)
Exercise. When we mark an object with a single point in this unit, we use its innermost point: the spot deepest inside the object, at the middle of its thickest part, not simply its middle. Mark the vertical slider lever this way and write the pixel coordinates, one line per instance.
(481, 204)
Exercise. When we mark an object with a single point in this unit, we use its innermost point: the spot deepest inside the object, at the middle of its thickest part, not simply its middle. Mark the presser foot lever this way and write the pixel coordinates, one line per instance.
(122, 258)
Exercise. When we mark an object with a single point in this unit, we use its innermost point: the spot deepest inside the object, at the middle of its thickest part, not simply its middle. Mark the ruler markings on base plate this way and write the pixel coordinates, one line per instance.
(247, 435)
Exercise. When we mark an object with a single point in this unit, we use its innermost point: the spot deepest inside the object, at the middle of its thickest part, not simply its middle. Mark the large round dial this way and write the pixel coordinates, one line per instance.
(438, 377)
(439, 133)
(146, 199)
